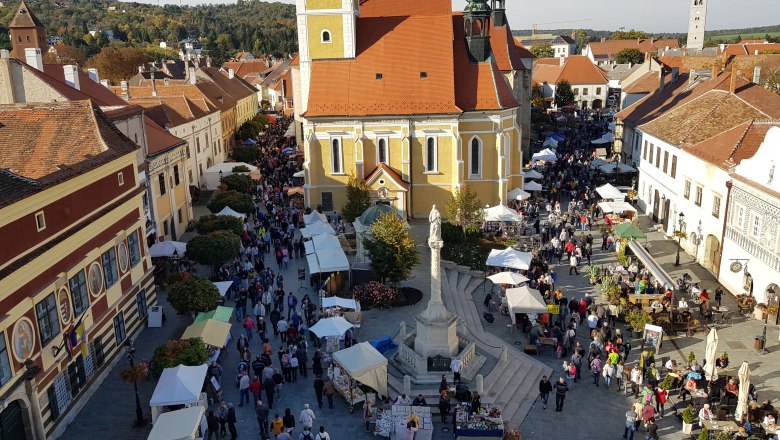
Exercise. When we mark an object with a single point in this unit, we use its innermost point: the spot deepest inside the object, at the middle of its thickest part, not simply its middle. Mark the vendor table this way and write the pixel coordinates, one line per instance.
(392, 423)
(486, 425)
(770, 429)
(723, 425)
(342, 384)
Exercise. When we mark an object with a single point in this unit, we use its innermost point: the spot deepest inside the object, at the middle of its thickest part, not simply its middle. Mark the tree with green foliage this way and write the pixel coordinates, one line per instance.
(189, 352)
(214, 248)
(537, 96)
(391, 248)
(237, 182)
(358, 199)
(542, 50)
(211, 223)
(564, 95)
(117, 64)
(582, 39)
(464, 209)
(193, 295)
(628, 35)
(630, 55)
(245, 154)
(235, 200)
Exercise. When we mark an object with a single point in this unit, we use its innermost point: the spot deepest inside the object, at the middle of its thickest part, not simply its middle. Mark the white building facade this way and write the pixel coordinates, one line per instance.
(204, 146)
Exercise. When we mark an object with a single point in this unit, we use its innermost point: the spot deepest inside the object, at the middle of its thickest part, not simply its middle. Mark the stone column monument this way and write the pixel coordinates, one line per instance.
(436, 326)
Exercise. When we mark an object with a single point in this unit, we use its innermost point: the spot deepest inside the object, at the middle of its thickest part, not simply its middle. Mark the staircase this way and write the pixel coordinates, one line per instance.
(513, 383)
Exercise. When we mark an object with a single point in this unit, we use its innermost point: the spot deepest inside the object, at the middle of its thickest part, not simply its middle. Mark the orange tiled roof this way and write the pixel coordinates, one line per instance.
(647, 83)
(733, 145)
(610, 48)
(242, 68)
(578, 69)
(403, 8)
(655, 104)
(55, 141)
(96, 91)
(521, 49)
(158, 140)
(750, 49)
(390, 172)
(505, 51)
(295, 60)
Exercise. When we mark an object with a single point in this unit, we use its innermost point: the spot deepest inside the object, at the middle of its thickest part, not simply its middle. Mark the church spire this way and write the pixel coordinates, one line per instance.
(26, 32)
(476, 19)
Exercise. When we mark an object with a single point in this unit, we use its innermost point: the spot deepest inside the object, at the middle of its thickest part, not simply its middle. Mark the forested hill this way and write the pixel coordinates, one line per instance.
(254, 25)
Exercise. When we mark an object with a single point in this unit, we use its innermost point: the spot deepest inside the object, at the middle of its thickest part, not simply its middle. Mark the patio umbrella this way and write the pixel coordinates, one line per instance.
(532, 174)
(518, 194)
(710, 372)
(744, 384)
(532, 186)
(331, 327)
(168, 249)
(628, 230)
(507, 278)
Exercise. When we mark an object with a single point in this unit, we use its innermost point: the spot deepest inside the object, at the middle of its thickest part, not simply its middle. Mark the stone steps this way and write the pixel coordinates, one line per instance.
(463, 280)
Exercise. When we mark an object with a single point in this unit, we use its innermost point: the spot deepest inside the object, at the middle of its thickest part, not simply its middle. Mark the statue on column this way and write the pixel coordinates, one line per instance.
(435, 220)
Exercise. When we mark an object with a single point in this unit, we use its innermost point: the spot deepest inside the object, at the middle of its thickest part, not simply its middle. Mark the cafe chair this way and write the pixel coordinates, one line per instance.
(721, 415)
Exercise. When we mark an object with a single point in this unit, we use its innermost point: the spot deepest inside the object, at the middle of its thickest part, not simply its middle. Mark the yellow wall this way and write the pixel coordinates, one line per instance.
(319, 50)
(323, 4)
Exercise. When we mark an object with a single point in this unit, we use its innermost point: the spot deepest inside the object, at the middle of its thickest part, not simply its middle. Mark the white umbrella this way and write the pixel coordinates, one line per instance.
(507, 278)
(331, 327)
(532, 174)
(501, 213)
(518, 194)
(168, 249)
(744, 384)
(532, 186)
(622, 168)
(710, 372)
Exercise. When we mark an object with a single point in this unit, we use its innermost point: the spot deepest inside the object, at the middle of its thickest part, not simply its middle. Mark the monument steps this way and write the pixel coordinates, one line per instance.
(463, 281)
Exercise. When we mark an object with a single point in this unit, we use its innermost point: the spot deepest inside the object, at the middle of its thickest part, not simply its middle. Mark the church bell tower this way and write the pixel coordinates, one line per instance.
(696, 22)
(476, 19)
(26, 32)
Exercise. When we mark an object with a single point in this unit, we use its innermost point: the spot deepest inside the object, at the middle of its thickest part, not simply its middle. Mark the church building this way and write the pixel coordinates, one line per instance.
(412, 97)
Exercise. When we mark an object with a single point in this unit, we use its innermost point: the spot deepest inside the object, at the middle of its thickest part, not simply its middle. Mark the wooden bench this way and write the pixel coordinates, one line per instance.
(531, 349)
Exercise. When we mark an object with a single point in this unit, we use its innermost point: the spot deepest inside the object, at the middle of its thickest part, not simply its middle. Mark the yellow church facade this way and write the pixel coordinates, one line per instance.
(387, 97)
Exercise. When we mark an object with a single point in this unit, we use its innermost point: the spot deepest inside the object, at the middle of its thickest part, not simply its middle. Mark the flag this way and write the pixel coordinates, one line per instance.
(67, 344)
(79, 338)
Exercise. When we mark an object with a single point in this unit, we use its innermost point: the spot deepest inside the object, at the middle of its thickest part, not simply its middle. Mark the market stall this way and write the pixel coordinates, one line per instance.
(222, 287)
(322, 241)
(510, 258)
(621, 208)
(182, 424)
(317, 228)
(180, 385)
(231, 213)
(314, 217)
(518, 194)
(486, 424)
(221, 313)
(610, 193)
(391, 423)
(359, 364)
(524, 300)
(213, 332)
(501, 213)
(168, 249)
(628, 231)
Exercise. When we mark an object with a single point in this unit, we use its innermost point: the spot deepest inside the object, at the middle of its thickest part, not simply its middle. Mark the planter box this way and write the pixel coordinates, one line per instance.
(687, 428)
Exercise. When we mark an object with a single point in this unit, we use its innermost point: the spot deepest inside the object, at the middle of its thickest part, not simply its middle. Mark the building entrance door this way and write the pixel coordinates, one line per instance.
(12, 423)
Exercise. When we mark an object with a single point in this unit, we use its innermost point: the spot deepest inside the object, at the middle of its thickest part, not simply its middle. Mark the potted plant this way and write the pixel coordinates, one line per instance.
(691, 357)
(637, 320)
(771, 312)
(704, 434)
(592, 273)
(667, 383)
(688, 415)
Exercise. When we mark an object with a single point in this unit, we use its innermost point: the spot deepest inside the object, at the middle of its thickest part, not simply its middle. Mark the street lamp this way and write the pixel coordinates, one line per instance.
(770, 298)
(130, 355)
(680, 227)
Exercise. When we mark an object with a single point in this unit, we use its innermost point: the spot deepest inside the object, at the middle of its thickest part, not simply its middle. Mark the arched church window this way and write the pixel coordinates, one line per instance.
(326, 36)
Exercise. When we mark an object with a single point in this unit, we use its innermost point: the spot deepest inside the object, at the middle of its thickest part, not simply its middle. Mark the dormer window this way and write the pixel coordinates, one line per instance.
(40, 221)
(423, 74)
(378, 76)
(325, 36)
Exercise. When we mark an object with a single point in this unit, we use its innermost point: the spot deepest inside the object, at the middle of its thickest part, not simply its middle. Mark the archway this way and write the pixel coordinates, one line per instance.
(711, 253)
(596, 104)
(12, 426)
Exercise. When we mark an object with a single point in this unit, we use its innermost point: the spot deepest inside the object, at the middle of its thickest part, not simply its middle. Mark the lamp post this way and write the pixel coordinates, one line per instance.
(680, 227)
(770, 298)
(130, 354)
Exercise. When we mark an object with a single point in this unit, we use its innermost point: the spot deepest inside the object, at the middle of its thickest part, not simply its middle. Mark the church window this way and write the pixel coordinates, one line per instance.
(431, 155)
(382, 151)
(325, 36)
(475, 157)
(336, 165)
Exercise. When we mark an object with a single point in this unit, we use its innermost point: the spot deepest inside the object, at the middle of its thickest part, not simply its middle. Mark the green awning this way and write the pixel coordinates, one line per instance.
(628, 230)
(220, 314)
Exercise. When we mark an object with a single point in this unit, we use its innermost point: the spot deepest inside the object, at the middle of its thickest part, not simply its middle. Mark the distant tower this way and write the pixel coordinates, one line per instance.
(26, 32)
(696, 23)
(476, 19)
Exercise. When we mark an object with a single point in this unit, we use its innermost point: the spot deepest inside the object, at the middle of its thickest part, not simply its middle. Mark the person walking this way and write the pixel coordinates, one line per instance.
(660, 400)
(262, 412)
(306, 417)
(213, 425)
(608, 370)
(573, 265)
(329, 391)
(560, 394)
(231, 421)
(545, 388)
(222, 413)
(269, 387)
(306, 434)
(595, 368)
(277, 426)
(652, 430)
(256, 387)
(322, 435)
(243, 388)
(631, 417)
(289, 421)
(444, 406)
(319, 388)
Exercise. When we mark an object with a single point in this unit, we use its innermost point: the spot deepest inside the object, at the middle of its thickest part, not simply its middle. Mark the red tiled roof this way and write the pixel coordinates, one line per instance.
(24, 18)
(578, 69)
(295, 60)
(404, 8)
(733, 145)
(647, 83)
(505, 51)
(655, 104)
(610, 48)
(521, 49)
(96, 91)
(158, 140)
(241, 68)
(750, 49)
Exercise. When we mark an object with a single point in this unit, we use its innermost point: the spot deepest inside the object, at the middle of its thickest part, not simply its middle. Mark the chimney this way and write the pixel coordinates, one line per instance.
(755, 52)
(72, 75)
(105, 83)
(561, 61)
(231, 73)
(733, 82)
(125, 90)
(154, 87)
(141, 68)
(93, 74)
(756, 74)
(191, 75)
(5, 54)
(661, 79)
(675, 73)
(34, 58)
(603, 39)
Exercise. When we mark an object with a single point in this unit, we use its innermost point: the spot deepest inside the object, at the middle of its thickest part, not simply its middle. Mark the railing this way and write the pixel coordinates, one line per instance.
(469, 354)
(409, 356)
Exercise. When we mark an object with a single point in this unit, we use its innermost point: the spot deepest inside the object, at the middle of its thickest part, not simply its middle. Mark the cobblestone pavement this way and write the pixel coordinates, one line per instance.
(589, 413)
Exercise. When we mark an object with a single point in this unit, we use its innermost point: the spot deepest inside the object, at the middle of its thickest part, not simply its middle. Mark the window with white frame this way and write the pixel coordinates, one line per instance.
(336, 162)
(716, 205)
(475, 157)
(325, 36)
(381, 153)
(755, 226)
(738, 218)
(431, 154)
(686, 189)
(699, 191)
(5, 364)
(40, 221)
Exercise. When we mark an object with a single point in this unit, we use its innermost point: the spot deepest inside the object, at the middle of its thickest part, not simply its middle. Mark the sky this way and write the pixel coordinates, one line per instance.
(655, 16)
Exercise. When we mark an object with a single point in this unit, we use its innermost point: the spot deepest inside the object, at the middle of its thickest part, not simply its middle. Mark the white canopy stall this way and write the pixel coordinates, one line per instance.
(216, 172)
(510, 258)
(501, 213)
(546, 155)
(182, 424)
(365, 364)
(222, 286)
(532, 186)
(507, 278)
(518, 194)
(621, 168)
(524, 300)
(314, 217)
(230, 212)
(610, 193)
(532, 174)
(322, 241)
(619, 207)
(337, 301)
(327, 260)
(605, 139)
(168, 249)
(317, 228)
(178, 386)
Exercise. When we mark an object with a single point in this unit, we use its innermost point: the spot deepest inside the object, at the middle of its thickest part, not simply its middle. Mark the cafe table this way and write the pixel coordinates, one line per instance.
(722, 425)
(770, 429)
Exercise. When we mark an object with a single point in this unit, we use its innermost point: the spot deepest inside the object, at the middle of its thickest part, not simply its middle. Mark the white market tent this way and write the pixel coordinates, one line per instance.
(222, 286)
(532, 174)
(532, 186)
(510, 258)
(317, 228)
(336, 326)
(610, 193)
(181, 424)
(168, 249)
(545, 154)
(212, 175)
(524, 300)
(178, 386)
(227, 210)
(364, 364)
(327, 260)
(507, 278)
(314, 217)
(322, 241)
(550, 142)
(619, 207)
(607, 138)
(300, 173)
(337, 301)
(501, 213)
(598, 162)
(518, 194)
(621, 167)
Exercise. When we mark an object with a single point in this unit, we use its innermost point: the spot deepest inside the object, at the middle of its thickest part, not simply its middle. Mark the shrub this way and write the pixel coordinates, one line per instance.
(245, 154)
(189, 352)
(214, 248)
(688, 414)
(238, 202)
(451, 234)
(240, 169)
(237, 182)
(193, 295)
(375, 294)
(212, 223)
